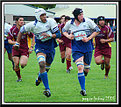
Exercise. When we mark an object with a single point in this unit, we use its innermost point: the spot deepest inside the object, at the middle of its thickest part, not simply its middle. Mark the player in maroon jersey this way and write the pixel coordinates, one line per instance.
(20, 55)
(65, 44)
(103, 45)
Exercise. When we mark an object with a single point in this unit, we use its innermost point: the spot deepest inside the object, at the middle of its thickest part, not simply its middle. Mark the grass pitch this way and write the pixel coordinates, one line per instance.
(64, 87)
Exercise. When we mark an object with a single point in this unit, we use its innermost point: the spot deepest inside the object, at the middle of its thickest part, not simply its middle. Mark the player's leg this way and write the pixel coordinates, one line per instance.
(9, 51)
(10, 58)
(41, 58)
(87, 62)
(47, 67)
(107, 66)
(107, 57)
(68, 59)
(62, 52)
(62, 56)
(98, 58)
(99, 61)
(23, 61)
(16, 67)
(81, 77)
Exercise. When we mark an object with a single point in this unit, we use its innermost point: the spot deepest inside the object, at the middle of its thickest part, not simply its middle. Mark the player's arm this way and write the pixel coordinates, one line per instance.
(10, 38)
(94, 27)
(86, 39)
(69, 36)
(65, 30)
(106, 40)
(54, 28)
(110, 36)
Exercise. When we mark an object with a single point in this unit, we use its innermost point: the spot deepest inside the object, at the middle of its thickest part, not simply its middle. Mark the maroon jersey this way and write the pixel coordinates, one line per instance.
(13, 36)
(65, 39)
(105, 33)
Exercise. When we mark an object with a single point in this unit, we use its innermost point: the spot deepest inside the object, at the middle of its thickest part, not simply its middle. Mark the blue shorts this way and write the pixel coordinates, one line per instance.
(8, 46)
(49, 55)
(87, 56)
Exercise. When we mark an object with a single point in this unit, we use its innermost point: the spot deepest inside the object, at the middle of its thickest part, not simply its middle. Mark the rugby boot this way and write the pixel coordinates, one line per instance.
(47, 93)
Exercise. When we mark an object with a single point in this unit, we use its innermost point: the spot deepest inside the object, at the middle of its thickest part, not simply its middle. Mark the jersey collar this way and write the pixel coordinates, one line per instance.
(72, 21)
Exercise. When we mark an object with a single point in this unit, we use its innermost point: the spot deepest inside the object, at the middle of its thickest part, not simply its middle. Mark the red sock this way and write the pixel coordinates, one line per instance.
(68, 63)
(107, 68)
(18, 73)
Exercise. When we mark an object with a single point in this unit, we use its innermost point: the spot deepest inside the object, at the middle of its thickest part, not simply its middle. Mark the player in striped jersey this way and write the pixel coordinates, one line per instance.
(45, 30)
(81, 31)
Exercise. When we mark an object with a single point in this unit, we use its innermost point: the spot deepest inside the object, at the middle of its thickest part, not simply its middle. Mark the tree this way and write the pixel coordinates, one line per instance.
(44, 6)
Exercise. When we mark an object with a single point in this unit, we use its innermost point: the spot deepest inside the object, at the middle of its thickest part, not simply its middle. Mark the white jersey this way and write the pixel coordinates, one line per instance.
(6, 30)
(39, 27)
(83, 30)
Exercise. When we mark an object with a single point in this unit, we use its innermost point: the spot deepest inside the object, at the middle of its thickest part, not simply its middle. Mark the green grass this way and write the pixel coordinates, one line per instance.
(64, 87)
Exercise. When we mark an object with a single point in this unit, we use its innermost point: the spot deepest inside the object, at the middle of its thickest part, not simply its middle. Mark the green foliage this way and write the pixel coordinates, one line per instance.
(44, 6)
(64, 87)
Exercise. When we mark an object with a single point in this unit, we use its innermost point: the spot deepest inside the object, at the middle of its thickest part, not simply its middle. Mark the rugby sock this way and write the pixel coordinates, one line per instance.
(18, 73)
(68, 63)
(107, 68)
(44, 78)
(12, 64)
(81, 79)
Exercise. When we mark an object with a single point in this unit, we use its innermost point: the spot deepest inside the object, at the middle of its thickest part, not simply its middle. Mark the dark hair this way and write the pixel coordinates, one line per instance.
(17, 18)
(62, 16)
(67, 18)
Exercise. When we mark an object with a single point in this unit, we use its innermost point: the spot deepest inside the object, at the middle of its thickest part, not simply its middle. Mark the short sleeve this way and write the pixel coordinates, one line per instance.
(53, 25)
(27, 27)
(66, 27)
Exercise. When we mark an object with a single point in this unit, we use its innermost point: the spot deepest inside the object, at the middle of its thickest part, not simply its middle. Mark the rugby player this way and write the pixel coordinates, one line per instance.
(8, 46)
(103, 45)
(45, 30)
(65, 45)
(21, 55)
(80, 32)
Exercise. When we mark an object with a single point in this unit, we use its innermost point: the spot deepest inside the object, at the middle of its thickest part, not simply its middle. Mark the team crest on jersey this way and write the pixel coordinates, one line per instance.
(47, 26)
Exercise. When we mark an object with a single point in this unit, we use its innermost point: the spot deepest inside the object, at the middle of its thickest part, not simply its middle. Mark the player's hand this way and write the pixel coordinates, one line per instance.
(30, 50)
(45, 34)
(60, 41)
(102, 40)
(85, 39)
(71, 36)
(16, 46)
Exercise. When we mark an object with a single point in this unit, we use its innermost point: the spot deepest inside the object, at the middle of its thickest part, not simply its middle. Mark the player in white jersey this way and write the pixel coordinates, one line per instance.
(8, 46)
(81, 31)
(45, 30)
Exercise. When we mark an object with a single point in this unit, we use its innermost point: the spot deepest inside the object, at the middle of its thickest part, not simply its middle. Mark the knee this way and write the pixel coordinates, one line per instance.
(97, 62)
(68, 56)
(42, 64)
(16, 67)
(23, 65)
(80, 67)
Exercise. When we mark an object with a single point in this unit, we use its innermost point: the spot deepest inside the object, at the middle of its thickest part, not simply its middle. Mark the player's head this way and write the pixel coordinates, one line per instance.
(62, 19)
(101, 21)
(19, 21)
(67, 18)
(40, 14)
(78, 14)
